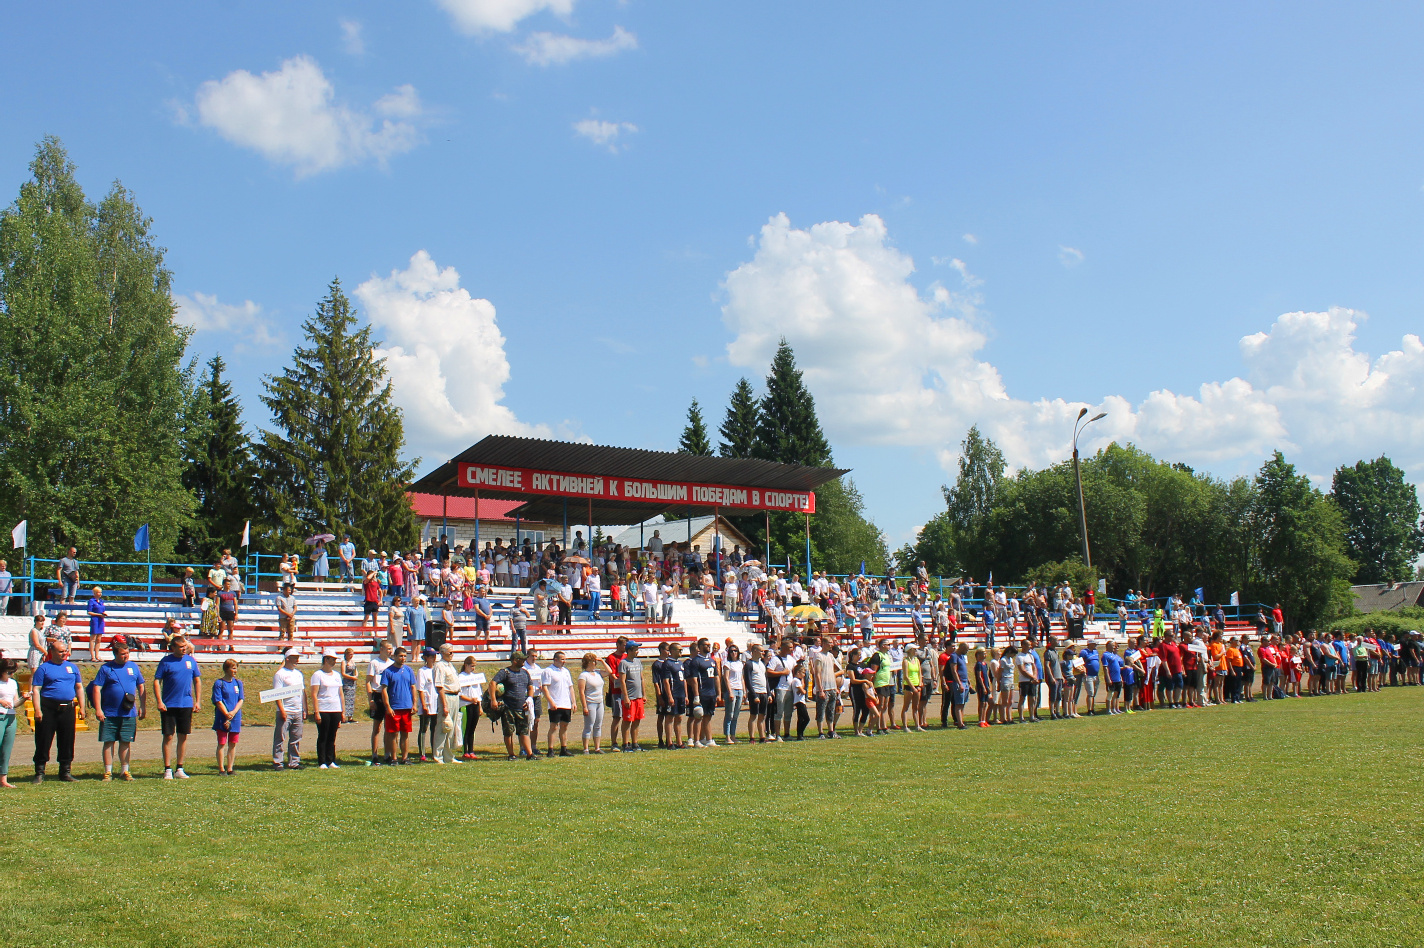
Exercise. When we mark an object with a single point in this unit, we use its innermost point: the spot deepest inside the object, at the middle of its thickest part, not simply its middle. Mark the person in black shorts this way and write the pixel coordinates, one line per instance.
(674, 695)
(659, 672)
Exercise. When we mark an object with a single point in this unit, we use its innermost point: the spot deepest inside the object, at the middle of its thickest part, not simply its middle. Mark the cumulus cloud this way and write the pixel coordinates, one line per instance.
(445, 355)
(971, 239)
(890, 364)
(604, 133)
(499, 16)
(553, 49)
(246, 321)
(351, 39)
(291, 117)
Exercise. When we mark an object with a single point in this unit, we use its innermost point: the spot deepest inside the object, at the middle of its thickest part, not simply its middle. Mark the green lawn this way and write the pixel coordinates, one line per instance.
(1286, 823)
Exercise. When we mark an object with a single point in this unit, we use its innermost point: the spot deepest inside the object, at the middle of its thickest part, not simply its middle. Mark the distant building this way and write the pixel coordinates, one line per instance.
(455, 516)
(1388, 598)
(696, 531)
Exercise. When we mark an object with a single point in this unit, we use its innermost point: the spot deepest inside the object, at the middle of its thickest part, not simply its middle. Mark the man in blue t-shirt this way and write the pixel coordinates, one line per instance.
(347, 552)
(57, 695)
(176, 683)
(398, 685)
(1092, 671)
(659, 673)
(95, 610)
(1112, 663)
(119, 700)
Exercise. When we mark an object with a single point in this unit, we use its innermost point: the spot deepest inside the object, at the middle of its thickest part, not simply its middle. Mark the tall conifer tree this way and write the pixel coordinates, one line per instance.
(694, 436)
(333, 464)
(739, 428)
(787, 427)
(221, 472)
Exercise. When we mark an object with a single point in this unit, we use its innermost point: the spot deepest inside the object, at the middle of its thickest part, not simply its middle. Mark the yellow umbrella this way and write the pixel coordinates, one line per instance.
(806, 612)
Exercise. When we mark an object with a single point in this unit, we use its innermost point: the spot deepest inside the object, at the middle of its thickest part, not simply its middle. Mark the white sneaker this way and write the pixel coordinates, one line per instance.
(712, 744)
(180, 774)
(322, 767)
(437, 760)
(334, 766)
(167, 775)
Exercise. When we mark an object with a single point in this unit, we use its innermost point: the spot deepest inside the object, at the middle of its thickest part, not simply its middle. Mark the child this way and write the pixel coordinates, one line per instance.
(227, 715)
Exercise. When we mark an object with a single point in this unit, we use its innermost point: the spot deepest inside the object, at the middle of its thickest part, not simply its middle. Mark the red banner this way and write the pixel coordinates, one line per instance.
(668, 493)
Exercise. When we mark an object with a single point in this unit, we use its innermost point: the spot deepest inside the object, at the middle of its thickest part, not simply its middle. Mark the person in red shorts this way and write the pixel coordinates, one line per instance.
(630, 681)
(619, 731)
(398, 685)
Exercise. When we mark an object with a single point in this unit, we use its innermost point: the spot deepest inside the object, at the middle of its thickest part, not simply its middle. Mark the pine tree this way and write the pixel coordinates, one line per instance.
(92, 384)
(333, 465)
(739, 429)
(694, 436)
(221, 473)
(787, 428)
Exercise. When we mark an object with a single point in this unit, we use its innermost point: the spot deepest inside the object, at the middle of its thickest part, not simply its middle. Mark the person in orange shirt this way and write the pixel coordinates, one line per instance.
(1216, 668)
(1235, 671)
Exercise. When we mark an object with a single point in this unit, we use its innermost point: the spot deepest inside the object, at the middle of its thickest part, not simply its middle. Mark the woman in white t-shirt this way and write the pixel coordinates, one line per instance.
(590, 702)
(326, 698)
(9, 704)
(557, 686)
(471, 693)
(734, 691)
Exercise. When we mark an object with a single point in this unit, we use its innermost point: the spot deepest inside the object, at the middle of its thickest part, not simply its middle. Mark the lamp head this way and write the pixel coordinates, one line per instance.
(1101, 414)
(1082, 412)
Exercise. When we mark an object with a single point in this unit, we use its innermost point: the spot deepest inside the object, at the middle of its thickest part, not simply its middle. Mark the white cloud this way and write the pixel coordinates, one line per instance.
(499, 16)
(246, 320)
(971, 239)
(603, 133)
(1070, 257)
(291, 116)
(550, 49)
(889, 364)
(351, 39)
(445, 355)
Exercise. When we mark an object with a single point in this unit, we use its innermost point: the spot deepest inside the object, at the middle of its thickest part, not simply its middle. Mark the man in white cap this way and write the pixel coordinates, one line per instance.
(290, 712)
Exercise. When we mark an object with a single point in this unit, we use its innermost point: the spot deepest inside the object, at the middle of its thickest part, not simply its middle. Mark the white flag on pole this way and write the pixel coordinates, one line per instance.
(1236, 599)
(246, 533)
(21, 534)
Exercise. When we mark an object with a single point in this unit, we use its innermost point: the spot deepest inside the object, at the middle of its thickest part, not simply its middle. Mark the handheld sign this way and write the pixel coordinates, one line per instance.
(277, 694)
(479, 678)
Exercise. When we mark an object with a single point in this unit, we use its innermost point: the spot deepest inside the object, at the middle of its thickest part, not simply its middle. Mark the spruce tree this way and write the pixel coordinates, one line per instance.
(739, 429)
(333, 464)
(221, 472)
(92, 384)
(694, 436)
(787, 428)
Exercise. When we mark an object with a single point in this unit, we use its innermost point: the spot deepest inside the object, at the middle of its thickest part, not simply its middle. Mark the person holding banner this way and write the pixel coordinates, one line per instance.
(290, 711)
(471, 692)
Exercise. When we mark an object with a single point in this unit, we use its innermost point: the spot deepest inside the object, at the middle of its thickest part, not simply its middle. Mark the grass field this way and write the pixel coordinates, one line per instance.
(1285, 823)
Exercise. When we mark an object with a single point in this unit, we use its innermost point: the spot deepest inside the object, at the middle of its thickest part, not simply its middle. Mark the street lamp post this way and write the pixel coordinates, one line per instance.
(1078, 476)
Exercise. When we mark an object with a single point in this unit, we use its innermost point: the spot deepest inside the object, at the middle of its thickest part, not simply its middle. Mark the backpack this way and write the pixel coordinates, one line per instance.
(494, 710)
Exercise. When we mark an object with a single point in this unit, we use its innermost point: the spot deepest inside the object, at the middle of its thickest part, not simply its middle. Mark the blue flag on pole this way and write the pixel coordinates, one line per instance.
(1201, 596)
(141, 539)
(862, 567)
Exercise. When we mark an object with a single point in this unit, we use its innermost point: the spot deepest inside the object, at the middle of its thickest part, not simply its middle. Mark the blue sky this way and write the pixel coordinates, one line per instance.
(569, 217)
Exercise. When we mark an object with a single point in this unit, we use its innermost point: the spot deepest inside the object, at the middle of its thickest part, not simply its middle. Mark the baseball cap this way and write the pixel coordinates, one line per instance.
(632, 644)
(428, 651)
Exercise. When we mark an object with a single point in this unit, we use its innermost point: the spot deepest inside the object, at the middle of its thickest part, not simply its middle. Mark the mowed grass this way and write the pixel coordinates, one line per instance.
(1285, 823)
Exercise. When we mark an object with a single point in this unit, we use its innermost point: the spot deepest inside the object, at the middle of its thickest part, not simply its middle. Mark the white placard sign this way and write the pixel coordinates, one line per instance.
(277, 694)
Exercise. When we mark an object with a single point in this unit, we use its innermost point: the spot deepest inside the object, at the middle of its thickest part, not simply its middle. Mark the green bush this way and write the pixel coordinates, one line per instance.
(1389, 623)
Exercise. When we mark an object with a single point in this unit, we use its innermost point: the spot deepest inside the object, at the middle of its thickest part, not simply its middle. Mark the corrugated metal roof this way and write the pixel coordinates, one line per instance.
(633, 463)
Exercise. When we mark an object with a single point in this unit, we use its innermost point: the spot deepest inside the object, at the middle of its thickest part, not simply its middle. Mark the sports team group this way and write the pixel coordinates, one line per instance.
(771, 692)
